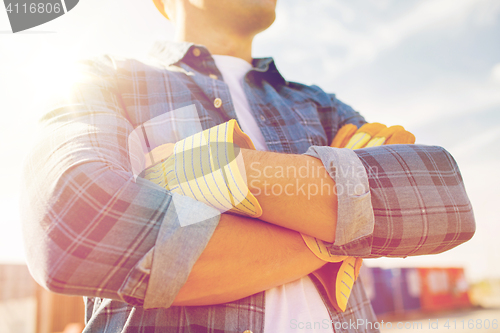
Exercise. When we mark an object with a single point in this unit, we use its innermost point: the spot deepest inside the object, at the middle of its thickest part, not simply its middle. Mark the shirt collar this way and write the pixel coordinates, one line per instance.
(169, 53)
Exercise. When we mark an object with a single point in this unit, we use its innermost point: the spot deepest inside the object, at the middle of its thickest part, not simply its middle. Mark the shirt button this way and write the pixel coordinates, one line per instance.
(262, 118)
(213, 76)
(196, 52)
(217, 102)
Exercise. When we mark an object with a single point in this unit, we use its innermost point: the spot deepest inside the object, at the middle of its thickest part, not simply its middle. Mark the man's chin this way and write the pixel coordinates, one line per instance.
(258, 22)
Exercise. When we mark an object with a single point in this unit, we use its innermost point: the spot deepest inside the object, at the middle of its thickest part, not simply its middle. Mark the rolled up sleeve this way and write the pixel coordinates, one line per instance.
(177, 249)
(355, 219)
(405, 200)
(159, 275)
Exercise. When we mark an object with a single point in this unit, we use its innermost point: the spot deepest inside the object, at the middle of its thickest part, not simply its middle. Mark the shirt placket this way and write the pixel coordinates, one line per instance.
(219, 91)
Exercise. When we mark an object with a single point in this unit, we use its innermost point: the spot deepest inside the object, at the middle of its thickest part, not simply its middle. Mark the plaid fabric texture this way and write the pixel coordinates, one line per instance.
(419, 200)
(91, 230)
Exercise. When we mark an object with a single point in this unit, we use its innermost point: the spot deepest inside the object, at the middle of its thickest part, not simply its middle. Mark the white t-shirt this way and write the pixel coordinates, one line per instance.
(233, 71)
(296, 305)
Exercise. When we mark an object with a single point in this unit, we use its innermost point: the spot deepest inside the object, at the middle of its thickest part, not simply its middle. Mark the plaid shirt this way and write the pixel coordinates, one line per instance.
(90, 229)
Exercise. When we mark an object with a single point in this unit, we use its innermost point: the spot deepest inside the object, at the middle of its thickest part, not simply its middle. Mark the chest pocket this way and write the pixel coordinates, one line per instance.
(308, 127)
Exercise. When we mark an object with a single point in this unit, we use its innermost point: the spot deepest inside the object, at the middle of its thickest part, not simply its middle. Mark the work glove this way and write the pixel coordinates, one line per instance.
(208, 167)
(339, 275)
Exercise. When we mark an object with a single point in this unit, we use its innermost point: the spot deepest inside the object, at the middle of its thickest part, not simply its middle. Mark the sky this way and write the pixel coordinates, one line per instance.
(432, 66)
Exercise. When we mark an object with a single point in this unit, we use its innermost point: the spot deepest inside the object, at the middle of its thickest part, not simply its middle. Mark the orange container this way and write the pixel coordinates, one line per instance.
(443, 289)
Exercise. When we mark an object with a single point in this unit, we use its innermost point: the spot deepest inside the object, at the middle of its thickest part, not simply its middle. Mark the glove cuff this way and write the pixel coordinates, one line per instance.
(206, 167)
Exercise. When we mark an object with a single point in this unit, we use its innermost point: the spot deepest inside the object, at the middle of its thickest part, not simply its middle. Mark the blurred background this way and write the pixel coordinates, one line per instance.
(430, 65)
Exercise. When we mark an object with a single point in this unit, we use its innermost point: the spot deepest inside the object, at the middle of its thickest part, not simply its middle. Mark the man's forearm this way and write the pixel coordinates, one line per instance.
(243, 257)
(295, 192)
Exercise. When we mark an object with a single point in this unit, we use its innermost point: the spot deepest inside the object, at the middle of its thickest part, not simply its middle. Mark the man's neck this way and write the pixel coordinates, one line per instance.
(218, 42)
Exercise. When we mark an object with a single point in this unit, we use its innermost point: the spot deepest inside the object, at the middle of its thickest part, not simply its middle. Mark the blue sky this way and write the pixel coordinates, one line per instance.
(432, 66)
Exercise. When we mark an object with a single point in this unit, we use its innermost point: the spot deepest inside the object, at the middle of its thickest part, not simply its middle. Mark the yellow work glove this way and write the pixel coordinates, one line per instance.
(344, 269)
(205, 167)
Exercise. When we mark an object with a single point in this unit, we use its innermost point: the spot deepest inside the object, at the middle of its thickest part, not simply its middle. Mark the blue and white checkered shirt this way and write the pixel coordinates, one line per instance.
(92, 230)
